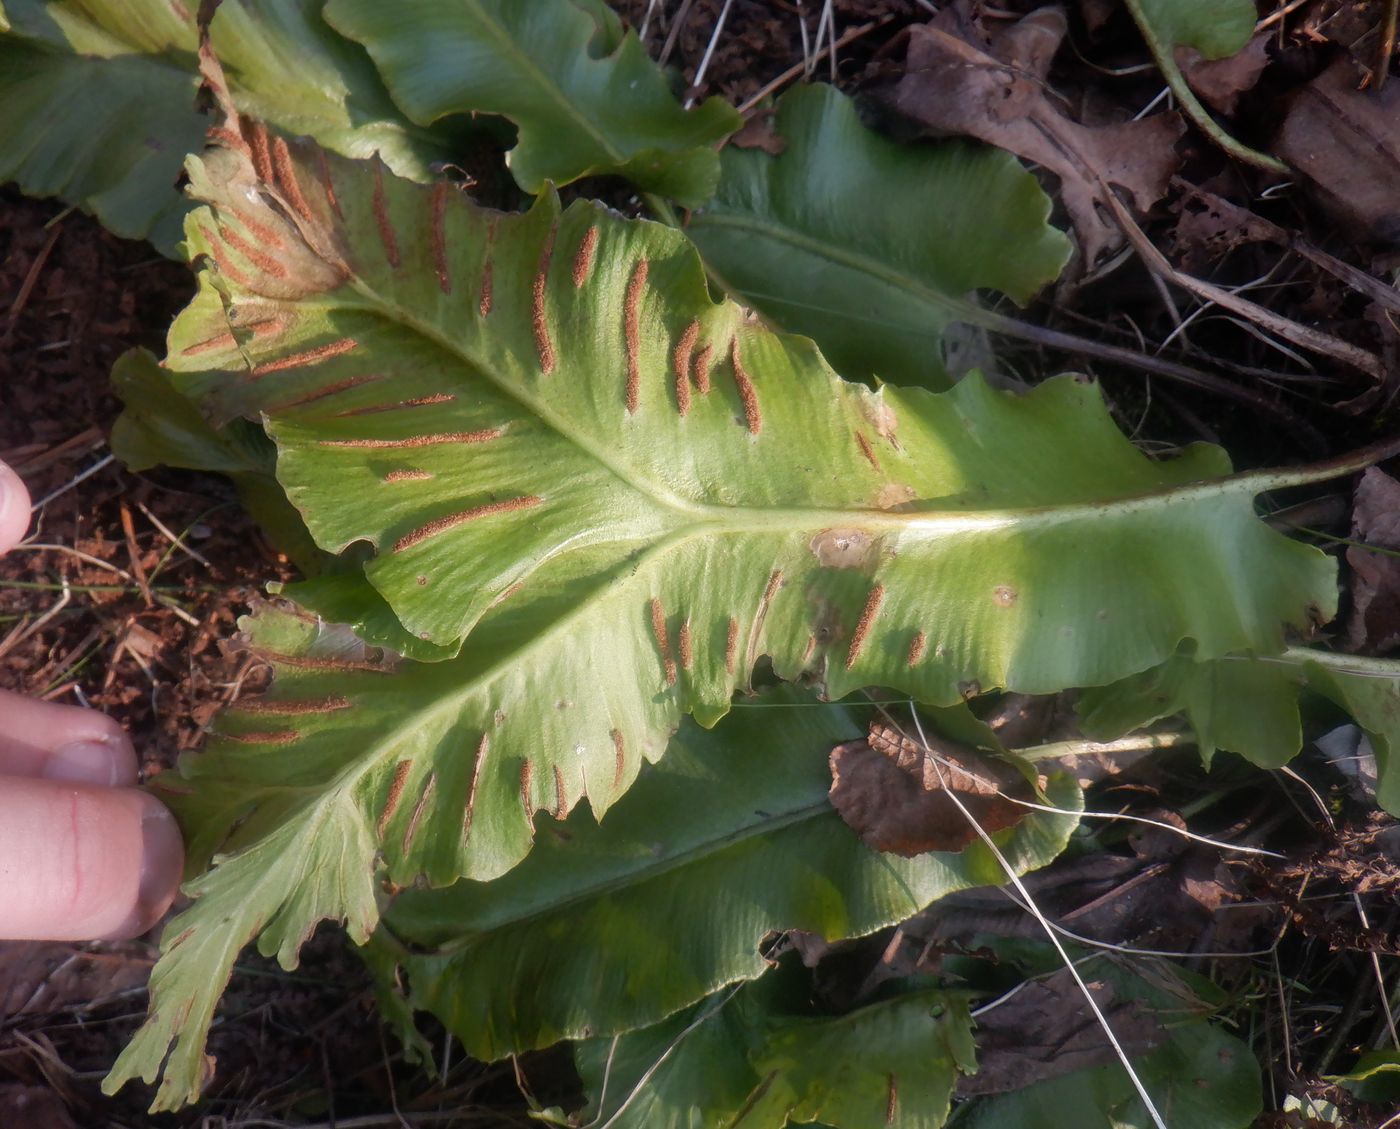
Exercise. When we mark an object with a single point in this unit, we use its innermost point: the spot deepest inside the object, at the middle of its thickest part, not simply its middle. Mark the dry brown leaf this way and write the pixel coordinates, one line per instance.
(33, 1107)
(42, 978)
(890, 791)
(1220, 82)
(759, 132)
(1345, 144)
(959, 80)
(1374, 625)
(1046, 1031)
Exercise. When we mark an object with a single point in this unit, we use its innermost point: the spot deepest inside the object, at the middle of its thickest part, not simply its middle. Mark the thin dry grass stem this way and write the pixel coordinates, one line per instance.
(1143, 819)
(713, 1008)
(25, 629)
(1279, 15)
(98, 562)
(797, 70)
(1291, 331)
(646, 21)
(1041, 919)
(176, 542)
(679, 22)
(81, 477)
(133, 552)
(1360, 912)
(27, 286)
(709, 51)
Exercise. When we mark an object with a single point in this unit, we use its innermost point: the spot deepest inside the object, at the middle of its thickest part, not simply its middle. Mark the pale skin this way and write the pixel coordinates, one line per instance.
(84, 855)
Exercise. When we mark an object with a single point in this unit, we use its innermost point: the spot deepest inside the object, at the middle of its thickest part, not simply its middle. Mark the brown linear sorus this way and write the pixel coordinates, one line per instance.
(680, 361)
(583, 257)
(469, 810)
(663, 642)
(438, 239)
(305, 357)
(323, 172)
(451, 521)
(396, 405)
(748, 396)
(619, 758)
(538, 319)
(527, 796)
(867, 619)
(294, 707)
(632, 331)
(917, 646)
(486, 435)
(324, 392)
(286, 180)
(419, 808)
(382, 221)
(483, 304)
(391, 800)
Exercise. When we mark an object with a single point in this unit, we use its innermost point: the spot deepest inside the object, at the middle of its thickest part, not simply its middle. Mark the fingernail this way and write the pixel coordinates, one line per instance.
(163, 861)
(82, 762)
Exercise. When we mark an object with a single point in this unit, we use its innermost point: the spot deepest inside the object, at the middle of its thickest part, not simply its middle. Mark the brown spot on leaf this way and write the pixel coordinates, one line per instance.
(451, 521)
(894, 495)
(892, 792)
(844, 548)
(1004, 595)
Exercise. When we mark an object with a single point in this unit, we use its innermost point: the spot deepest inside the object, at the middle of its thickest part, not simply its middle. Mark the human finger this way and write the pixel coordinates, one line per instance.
(79, 862)
(52, 742)
(14, 509)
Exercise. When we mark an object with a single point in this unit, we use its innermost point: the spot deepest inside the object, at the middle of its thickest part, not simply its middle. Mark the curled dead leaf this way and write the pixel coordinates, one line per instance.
(960, 80)
(1375, 577)
(1345, 144)
(893, 792)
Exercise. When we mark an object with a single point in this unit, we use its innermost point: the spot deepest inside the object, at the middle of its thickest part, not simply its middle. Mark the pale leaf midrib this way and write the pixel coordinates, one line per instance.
(777, 519)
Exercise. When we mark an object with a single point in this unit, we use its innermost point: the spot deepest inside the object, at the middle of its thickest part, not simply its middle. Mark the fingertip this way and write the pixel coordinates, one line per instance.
(79, 862)
(14, 508)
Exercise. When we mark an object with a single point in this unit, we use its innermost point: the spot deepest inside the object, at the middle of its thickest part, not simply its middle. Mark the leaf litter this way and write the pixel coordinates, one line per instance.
(1362, 215)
